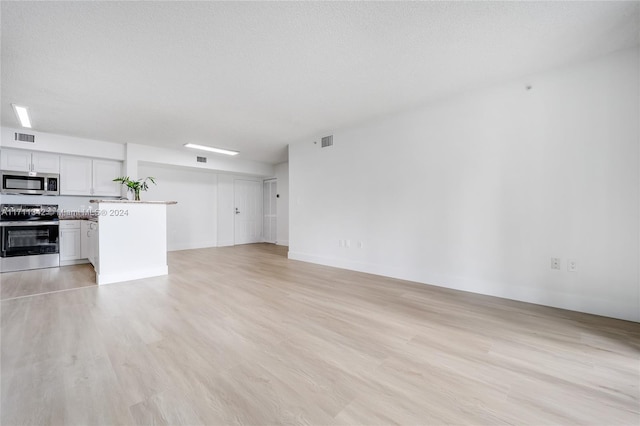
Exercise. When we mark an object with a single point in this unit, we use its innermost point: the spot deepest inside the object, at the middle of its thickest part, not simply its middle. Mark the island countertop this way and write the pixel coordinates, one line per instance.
(133, 202)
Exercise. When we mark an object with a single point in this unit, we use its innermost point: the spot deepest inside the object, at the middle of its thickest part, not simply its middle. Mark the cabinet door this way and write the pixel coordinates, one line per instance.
(15, 160)
(45, 163)
(85, 243)
(75, 176)
(95, 247)
(92, 245)
(70, 244)
(104, 172)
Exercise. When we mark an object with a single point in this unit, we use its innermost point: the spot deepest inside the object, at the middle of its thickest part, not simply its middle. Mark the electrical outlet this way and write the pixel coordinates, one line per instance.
(572, 265)
(347, 243)
(555, 263)
(360, 244)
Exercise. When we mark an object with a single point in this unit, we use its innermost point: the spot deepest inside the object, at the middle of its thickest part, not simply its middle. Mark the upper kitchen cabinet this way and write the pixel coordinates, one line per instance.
(104, 172)
(75, 176)
(26, 161)
(86, 176)
(45, 163)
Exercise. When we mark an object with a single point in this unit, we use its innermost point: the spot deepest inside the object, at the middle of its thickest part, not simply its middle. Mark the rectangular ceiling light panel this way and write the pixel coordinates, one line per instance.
(23, 115)
(211, 149)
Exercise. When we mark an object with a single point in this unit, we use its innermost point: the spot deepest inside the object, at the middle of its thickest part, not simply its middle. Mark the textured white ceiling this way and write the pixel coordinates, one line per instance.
(256, 76)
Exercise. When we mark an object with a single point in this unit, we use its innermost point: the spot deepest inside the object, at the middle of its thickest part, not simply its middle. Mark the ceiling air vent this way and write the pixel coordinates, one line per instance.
(23, 137)
(327, 141)
(201, 159)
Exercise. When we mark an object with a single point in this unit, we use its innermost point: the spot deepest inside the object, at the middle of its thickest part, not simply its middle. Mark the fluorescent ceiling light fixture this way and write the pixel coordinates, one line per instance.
(23, 115)
(211, 149)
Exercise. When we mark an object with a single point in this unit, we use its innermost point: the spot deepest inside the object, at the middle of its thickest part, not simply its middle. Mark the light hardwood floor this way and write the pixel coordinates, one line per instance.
(29, 283)
(243, 335)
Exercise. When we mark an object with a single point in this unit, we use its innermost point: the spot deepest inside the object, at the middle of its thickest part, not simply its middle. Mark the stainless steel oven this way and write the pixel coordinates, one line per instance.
(29, 237)
(32, 183)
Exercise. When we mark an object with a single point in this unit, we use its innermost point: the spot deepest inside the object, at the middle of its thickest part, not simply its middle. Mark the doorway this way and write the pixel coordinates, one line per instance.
(270, 218)
(248, 211)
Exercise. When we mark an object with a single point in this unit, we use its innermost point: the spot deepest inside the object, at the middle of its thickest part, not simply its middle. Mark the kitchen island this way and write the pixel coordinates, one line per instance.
(132, 240)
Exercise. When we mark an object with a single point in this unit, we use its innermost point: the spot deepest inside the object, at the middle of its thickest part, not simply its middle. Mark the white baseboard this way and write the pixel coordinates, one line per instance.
(225, 243)
(282, 243)
(73, 262)
(190, 246)
(136, 274)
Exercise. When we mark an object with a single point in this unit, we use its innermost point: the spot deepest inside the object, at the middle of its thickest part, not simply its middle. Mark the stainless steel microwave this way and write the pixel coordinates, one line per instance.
(30, 183)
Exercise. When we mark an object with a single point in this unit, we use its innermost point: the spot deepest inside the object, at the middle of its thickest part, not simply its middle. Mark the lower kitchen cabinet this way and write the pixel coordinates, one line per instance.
(72, 240)
(85, 249)
(90, 247)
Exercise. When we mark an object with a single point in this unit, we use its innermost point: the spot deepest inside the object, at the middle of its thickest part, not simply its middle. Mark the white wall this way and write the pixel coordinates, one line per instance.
(60, 144)
(479, 191)
(282, 224)
(221, 217)
(136, 153)
(192, 222)
(204, 215)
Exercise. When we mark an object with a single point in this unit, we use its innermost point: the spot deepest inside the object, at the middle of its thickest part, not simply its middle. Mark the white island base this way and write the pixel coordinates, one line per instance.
(132, 240)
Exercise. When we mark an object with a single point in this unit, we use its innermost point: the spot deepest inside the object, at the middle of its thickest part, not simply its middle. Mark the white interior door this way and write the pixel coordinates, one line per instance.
(247, 196)
(269, 194)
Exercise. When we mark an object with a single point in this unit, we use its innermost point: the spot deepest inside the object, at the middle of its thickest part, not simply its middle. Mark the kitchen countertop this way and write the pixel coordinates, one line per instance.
(75, 215)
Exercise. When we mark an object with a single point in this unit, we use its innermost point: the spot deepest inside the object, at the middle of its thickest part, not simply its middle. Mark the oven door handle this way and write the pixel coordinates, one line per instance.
(29, 223)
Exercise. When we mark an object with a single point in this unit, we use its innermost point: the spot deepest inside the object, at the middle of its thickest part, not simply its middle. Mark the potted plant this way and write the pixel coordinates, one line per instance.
(135, 185)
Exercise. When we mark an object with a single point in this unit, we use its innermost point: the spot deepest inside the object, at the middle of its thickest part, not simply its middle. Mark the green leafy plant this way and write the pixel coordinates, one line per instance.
(136, 185)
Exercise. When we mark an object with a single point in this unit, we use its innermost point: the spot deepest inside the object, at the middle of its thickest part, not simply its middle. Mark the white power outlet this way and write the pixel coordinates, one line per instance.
(347, 243)
(555, 263)
(572, 265)
(360, 244)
